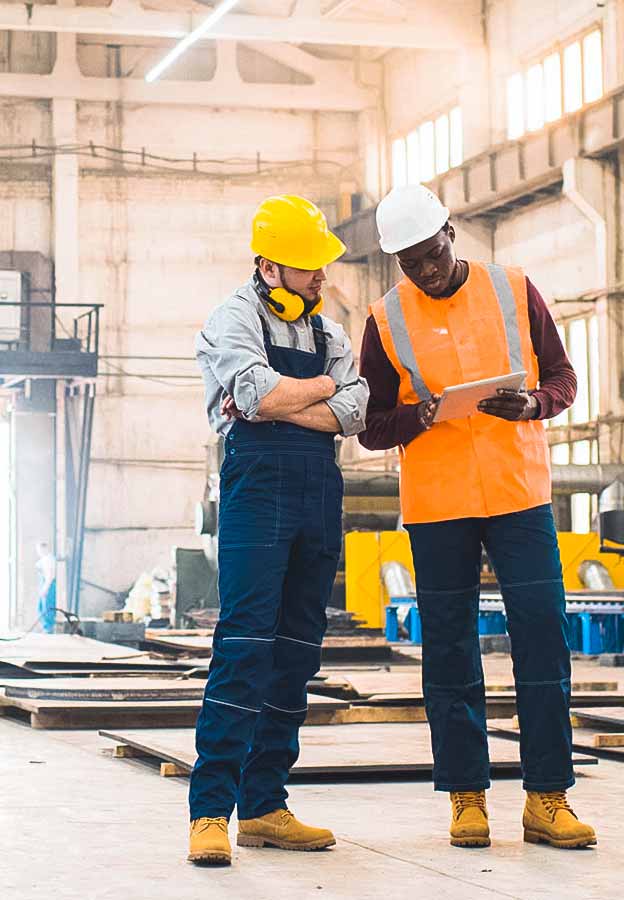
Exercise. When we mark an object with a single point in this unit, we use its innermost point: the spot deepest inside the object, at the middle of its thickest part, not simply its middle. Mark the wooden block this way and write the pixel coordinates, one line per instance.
(515, 722)
(609, 740)
(123, 751)
(585, 686)
(169, 769)
(371, 714)
(111, 615)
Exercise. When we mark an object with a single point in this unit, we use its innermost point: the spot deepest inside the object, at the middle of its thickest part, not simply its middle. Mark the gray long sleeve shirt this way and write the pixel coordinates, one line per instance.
(233, 360)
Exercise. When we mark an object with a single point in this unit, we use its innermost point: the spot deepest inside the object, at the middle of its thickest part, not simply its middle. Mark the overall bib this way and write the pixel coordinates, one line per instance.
(280, 533)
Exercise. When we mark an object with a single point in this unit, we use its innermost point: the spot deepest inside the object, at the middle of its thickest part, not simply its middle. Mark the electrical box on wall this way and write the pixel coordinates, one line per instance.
(13, 289)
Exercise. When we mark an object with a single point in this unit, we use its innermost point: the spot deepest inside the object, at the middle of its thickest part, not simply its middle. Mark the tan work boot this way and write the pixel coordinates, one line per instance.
(209, 843)
(469, 826)
(549, 819)
(280, 829)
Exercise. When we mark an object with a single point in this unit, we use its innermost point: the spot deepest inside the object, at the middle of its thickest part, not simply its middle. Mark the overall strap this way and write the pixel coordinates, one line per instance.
(320, 338)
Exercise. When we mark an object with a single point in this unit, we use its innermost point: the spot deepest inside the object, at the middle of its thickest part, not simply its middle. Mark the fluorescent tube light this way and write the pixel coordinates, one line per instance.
(218, 12)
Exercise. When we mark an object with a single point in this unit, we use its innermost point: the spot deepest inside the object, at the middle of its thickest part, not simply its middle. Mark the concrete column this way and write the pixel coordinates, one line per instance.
(593, 187)
(33, 471)
(475, 98)
(372, 140)
(65, 234)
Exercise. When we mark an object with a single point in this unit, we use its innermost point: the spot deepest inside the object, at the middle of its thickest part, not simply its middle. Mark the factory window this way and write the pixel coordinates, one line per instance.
(399, 163)
(580, 338)
(582, 508)
(560, 83)
(429, 150)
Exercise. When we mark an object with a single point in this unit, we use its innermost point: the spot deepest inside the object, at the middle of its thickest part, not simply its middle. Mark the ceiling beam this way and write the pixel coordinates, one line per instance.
(226, 89)
(338, 8)
(432, 26)
(326, 71)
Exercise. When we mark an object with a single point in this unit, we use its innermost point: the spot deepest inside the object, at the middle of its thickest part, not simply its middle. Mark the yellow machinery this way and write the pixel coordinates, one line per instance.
(367, 551)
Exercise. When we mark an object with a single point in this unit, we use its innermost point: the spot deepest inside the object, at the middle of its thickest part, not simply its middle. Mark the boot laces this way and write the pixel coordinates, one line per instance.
(465, 799)
(286, 816)
(205, 823)
(554, 801)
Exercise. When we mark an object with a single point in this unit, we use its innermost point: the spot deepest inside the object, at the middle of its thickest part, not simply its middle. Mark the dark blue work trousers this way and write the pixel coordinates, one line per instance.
(280, 535)
(523, 550)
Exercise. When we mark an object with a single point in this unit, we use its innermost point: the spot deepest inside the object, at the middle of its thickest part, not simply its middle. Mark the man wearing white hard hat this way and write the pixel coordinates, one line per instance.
(476, 478)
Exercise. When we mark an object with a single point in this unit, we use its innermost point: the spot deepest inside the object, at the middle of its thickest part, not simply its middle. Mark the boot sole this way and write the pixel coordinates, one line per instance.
(210, 859)
(536, 837)
(249, 840)
(471, 842)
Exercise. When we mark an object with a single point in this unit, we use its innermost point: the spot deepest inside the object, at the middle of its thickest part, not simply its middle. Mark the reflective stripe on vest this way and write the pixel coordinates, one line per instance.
(507, 304)
(403, 345)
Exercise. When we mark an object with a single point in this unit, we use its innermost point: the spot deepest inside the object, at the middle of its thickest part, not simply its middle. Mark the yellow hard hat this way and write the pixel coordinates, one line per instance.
(293, 232)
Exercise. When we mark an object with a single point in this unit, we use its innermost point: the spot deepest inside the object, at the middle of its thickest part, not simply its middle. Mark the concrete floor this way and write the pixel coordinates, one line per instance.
(77, 824)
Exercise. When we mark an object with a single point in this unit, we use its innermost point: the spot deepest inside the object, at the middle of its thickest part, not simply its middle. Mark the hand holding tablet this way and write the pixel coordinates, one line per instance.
(463, 400)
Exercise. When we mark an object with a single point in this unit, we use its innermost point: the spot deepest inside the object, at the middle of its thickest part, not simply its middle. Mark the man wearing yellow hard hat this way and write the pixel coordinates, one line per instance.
(280, 385)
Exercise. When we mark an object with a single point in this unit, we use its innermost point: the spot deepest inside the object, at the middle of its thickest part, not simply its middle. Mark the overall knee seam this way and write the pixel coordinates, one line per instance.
(297, 640)
(538, 683)
(279, 708)
(436, 592)
(453, 687)
(513, 584)
(234, 705)
(262, 640)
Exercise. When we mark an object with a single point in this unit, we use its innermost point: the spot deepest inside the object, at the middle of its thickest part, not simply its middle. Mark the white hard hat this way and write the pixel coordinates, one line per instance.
(409, 215)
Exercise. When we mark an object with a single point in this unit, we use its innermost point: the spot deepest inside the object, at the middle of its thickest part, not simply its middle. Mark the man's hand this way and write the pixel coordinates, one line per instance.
(329, 386)
(427, 409)
(230, 410)
(514, 406)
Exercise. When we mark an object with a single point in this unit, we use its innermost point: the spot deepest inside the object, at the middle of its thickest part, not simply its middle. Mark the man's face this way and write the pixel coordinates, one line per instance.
(303, 282)
(308, 284)
(430, 265)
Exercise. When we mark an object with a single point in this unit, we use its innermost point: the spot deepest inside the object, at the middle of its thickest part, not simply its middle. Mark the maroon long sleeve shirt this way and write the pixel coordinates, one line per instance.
(388, 425)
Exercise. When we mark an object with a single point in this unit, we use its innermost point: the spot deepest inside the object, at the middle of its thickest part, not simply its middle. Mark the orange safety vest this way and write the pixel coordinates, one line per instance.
(479, 465)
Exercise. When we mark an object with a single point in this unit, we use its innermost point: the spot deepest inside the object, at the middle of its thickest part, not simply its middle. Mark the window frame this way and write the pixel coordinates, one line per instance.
(559, 48)
(430, 119)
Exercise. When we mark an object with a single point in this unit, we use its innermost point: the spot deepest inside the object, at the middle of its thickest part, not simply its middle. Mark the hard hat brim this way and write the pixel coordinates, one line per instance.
(332, 250)
(417, 237)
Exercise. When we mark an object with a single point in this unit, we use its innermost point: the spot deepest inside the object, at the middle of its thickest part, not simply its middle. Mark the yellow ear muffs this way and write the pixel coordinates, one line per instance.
(285, 305)
(288, 306)
(316, 309)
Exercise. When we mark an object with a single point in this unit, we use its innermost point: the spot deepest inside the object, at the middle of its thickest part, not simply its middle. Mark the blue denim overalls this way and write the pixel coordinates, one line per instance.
(280, 533)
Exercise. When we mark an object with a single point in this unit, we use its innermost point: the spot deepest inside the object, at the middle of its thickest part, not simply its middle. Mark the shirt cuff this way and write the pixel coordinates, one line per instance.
(347, 411)
(253, 387)
(539, 413)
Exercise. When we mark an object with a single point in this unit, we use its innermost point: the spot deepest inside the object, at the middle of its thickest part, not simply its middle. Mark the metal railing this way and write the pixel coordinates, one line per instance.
(40, 327)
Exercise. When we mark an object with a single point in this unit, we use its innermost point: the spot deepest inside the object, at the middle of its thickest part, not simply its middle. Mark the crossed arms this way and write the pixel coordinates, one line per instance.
(300, 401)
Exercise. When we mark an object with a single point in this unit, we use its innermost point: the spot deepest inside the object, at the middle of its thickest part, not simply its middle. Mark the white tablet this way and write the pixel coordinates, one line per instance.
(461, 400)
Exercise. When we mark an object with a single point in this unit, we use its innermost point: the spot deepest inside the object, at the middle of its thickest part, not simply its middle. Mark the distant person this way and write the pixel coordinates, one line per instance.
(46, 573)
(478, 481)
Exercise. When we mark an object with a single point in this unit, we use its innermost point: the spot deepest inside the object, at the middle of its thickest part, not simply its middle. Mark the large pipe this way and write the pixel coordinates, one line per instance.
(591, 479)
(371, 484)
